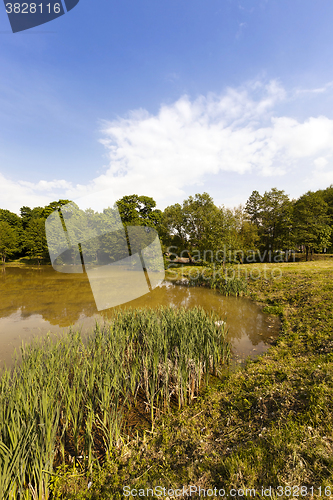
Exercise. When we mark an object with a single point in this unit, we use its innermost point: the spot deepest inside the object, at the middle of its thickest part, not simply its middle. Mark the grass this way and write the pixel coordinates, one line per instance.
(24, 261)
(268, 424)
(70, 403)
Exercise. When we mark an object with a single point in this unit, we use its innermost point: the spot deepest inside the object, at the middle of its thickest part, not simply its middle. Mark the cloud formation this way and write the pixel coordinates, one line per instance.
(190, 141)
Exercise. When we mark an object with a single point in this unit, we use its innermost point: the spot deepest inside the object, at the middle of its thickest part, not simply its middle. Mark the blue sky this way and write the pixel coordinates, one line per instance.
(167, 98)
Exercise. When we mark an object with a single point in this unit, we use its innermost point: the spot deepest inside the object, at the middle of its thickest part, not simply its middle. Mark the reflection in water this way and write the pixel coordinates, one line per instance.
(37, 300)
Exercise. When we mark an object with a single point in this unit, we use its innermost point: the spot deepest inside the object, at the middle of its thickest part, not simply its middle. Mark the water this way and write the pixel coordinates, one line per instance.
(34, 301)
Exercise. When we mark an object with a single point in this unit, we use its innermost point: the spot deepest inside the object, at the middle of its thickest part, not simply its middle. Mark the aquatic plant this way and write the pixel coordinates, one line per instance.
(224, 280)
(69, 399)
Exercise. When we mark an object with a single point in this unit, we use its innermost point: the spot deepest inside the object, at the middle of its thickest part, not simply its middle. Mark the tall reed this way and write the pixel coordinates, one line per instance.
(68, 400)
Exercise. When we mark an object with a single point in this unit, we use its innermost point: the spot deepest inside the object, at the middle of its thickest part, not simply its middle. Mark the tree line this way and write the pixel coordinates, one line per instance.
(268, 227)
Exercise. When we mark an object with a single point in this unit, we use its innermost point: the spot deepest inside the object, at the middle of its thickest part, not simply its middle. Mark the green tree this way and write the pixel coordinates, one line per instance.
(312, 222)
(194, 226)
(253, 208)
(13, 219)
(9, 240)
(51, 207)
(27, 214)
(174, 226)
(15, 223)
(272, 215)
(35, 239)
(327, 196)
(139, 211)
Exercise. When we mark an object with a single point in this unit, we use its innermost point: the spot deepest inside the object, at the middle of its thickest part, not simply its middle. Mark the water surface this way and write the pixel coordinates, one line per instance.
(34, 301)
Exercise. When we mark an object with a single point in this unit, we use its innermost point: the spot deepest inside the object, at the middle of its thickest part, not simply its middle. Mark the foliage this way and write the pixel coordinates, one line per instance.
(197, 228)
(9, 240)
(139, 210)
(205, 232)
(35, 239)
(272, 215)
(312, 222)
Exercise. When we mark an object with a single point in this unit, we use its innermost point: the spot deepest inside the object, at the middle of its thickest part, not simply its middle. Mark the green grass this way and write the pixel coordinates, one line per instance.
(71, 403)
(270, 423)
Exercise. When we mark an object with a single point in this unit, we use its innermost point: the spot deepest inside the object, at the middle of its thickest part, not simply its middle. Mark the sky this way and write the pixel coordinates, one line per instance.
(167, 98)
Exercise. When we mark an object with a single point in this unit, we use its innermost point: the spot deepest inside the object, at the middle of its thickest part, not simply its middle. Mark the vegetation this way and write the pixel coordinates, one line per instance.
(268, 424)
(268, 229)
(68, 412)
(71, 402)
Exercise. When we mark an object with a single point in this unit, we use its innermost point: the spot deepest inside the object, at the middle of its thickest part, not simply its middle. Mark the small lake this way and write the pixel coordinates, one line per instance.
(34, 301)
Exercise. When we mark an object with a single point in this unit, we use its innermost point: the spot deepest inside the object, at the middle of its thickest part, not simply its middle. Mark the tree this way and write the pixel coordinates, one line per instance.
(9, 240)
(15, 223)
(27, 214)
(194, 226)
(327, 196)
(276, 219)
(13, 219)
(272, 215)
(139, 211)
(35, 239)
(253, 208)
(174, 226)
(311, 222)
(51, 207)
(200, 215)
(247, 232)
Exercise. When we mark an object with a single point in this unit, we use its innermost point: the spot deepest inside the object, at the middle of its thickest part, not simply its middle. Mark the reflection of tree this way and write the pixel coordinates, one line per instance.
(59, 298)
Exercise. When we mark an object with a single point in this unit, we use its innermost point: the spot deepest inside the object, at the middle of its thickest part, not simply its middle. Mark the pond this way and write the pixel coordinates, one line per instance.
(36, 300)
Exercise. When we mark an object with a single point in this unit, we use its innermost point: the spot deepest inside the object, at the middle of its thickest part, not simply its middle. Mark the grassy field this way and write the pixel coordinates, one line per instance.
(269, 424)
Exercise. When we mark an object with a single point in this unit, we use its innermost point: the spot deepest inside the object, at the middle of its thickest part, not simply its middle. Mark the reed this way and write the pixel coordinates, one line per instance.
(69, 398)
(218, 279)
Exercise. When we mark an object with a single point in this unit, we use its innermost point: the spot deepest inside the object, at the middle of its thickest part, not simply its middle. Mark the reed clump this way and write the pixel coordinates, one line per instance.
(69, 399)
(222, 279)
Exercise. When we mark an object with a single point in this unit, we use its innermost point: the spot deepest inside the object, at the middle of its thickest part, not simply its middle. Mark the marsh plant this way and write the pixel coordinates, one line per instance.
(68, 399)
(227, 280)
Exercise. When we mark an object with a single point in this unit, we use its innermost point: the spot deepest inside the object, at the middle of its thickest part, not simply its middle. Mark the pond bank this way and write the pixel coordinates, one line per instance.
(270, 423)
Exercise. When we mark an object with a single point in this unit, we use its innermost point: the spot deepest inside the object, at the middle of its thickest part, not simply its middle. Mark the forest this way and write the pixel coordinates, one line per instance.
(269, 227)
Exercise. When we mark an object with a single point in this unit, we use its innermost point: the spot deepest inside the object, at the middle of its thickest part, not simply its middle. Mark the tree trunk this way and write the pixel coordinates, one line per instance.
(307, 253)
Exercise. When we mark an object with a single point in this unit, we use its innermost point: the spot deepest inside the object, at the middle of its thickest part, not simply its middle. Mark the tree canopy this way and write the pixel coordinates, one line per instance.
(196, 228)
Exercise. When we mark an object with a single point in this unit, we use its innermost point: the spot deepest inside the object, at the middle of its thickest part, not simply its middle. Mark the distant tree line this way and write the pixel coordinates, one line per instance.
(24, 235)
(269, 227)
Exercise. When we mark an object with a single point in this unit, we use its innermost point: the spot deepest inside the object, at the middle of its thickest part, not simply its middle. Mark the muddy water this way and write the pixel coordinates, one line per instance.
(34, 301)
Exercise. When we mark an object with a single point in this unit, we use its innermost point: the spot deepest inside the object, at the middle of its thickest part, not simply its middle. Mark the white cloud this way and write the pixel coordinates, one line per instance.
(190, 141)
(320, 163)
